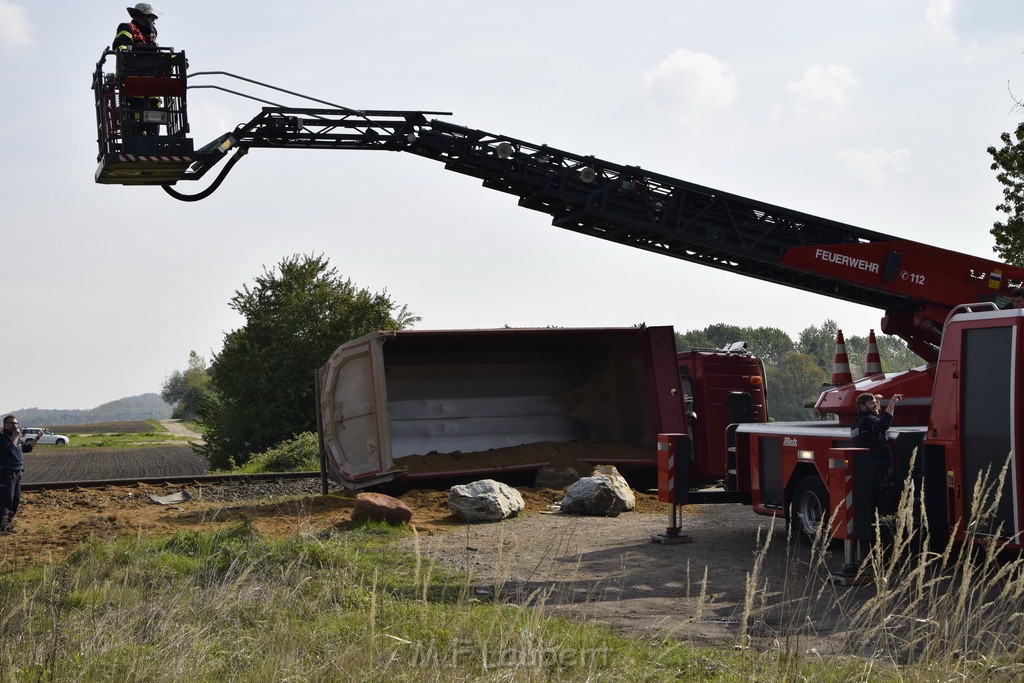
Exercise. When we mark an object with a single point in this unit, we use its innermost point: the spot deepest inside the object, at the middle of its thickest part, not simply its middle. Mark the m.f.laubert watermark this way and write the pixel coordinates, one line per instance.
(467, 653)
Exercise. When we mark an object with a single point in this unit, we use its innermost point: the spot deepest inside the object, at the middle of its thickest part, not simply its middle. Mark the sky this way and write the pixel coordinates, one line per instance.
(876, 113)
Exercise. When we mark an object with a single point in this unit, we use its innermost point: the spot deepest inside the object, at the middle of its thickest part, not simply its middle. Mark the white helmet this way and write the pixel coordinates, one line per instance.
(143, 8)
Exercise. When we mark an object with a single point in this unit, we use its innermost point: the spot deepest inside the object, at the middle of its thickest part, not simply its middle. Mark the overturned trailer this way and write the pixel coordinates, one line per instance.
(393, 395)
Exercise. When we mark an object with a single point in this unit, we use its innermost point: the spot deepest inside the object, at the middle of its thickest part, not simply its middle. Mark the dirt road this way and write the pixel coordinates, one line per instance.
(179, 428)
(608, 570)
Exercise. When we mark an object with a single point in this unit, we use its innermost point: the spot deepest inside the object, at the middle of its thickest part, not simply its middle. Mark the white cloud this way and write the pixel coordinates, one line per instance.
(939, 15)
(873, 166)
(694, 85)
(15, 27)
(824, 91)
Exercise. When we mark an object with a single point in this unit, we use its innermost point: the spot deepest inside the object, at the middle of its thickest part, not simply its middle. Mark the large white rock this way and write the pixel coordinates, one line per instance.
(619, 483)
(606, 493)
(484, 501)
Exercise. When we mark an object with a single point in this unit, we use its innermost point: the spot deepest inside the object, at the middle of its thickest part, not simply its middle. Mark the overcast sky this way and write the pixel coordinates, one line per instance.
(876, 113)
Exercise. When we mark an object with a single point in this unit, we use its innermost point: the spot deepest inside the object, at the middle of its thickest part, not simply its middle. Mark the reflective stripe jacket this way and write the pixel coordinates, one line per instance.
(130, 34)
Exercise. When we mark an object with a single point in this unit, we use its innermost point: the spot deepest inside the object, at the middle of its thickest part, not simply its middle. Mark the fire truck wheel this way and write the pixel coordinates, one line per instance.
(809, 508)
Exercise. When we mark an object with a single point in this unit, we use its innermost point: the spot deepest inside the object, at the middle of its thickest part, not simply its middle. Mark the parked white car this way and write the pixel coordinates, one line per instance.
(43, 436)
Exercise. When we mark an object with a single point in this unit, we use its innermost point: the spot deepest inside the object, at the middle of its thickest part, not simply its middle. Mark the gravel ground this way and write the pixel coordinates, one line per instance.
(256, 490)
(608, 570)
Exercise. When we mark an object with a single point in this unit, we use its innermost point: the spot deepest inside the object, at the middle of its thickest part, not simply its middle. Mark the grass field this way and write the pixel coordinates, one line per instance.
(116, 435)
(121, 427)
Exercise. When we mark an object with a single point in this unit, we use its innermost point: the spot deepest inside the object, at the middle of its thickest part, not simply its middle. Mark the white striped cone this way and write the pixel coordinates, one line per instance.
(841, 371)
(874, 362)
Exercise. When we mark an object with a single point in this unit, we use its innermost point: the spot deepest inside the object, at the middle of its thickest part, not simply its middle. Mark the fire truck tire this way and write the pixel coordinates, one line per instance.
(809, 508)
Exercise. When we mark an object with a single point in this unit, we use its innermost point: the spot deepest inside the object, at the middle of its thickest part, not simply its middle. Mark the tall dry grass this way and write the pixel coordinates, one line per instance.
(354, 605)
(952, 612)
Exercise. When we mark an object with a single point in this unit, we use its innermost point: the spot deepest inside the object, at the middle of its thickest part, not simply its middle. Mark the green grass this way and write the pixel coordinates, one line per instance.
(346, 605)
(301, 454)
(357, 604)
(123, 426)
(119, 435)
(121, 440)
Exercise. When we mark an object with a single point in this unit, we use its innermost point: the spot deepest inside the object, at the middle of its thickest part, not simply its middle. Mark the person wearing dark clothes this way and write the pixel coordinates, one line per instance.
(868, 431)
(1013, 298)
(141, 30)
(140, 33)
(12, 465)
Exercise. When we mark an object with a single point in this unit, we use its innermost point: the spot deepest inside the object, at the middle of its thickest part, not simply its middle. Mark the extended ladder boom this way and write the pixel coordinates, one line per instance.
(915, 284)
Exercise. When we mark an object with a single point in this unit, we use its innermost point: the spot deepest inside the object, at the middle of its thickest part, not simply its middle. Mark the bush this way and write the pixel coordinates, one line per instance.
(295, 314)
(301, 454)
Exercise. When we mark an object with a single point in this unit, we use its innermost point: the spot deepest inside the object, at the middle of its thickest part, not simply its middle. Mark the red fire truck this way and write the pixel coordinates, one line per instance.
(964, 409)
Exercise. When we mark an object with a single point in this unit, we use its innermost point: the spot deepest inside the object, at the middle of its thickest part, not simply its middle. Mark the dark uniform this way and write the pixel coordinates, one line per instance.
(130, 35)
(868, 431)
(12, 465)
(134, 33)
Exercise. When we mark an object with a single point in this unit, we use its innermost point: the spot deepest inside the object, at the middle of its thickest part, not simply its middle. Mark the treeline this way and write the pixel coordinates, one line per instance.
(795, 370)
(131, 408)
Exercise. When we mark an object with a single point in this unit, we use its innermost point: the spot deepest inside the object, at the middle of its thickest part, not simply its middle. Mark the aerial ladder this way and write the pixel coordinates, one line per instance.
(916, 284)
(924, 290)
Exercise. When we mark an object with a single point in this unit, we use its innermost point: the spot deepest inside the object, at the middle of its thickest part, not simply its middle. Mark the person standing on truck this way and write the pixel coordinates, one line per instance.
(141, 30)
(12, 465)
(868, 431)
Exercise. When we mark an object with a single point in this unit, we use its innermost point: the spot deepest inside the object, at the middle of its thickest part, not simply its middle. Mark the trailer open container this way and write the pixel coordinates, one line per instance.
(397, 394)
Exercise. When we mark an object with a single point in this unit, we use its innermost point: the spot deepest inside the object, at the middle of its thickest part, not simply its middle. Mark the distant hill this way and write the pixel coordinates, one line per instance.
(141, 407)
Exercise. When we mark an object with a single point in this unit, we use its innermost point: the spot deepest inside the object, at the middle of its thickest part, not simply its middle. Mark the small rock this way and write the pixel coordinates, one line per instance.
(379, 507)
(484, 501)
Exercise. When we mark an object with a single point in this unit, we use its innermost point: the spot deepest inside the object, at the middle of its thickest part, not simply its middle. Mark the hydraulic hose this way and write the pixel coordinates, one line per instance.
(213, 186)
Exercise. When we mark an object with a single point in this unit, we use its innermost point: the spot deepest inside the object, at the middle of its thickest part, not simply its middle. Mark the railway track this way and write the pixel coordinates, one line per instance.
(520, 475)
(184, 480)
(516, 475)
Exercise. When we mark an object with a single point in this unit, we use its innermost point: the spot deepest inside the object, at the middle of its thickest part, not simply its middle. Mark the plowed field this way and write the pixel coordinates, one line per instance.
(58, 464)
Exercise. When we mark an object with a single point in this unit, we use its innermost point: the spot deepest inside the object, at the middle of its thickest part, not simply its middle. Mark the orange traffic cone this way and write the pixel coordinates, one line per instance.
(841, 370)
(874, 364)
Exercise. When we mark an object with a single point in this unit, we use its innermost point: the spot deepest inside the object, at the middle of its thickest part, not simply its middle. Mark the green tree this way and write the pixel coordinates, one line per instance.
(820, 344)
(711, 337)
(189, 390)
(1008, 163)
(792, 384)
(856, 353)
(296, 315)
(769, 343)
(896, 355)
